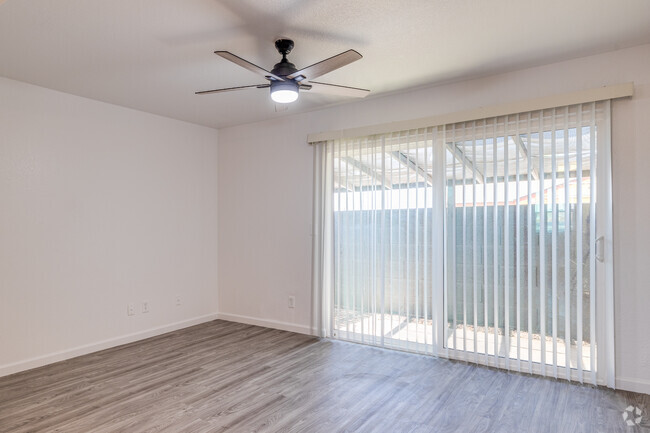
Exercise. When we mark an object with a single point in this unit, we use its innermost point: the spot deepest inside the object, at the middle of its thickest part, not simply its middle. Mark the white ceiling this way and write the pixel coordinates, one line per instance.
(152, 55)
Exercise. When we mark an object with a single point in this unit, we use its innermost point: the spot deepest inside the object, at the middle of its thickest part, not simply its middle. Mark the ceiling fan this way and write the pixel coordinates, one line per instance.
(285, 79)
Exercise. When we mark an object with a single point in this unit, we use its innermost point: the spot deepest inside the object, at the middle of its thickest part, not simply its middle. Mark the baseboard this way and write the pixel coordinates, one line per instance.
(275, 324)
(634, 385)
(62, 355)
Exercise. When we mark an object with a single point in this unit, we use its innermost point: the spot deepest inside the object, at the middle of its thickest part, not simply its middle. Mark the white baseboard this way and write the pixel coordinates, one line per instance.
(62, 355)
(275, 324)
(634, 385)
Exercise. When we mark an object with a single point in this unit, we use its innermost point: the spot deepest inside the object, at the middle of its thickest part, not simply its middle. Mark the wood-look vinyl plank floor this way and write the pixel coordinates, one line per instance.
(229, 377)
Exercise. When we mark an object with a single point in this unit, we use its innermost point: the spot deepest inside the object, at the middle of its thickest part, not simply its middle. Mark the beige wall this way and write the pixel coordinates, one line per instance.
(100, 206)
(265, 193)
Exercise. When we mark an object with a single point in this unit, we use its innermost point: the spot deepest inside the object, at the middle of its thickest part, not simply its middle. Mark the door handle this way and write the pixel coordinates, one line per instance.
(600, 245)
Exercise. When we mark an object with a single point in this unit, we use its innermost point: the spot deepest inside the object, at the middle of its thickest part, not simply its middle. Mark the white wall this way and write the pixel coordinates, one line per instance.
(265, 193)
(100, 206)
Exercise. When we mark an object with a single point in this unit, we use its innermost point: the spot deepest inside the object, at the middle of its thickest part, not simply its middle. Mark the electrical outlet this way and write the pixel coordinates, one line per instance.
(130, 309)
(292, 302)
(178, 301)
(145, 306)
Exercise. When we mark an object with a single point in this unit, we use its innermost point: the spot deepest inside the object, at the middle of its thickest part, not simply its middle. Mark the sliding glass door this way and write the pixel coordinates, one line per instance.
(384, 240)
(520, 233)
(476, 240)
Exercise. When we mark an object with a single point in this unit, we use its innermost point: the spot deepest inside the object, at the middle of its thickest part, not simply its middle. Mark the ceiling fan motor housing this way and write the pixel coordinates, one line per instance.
(283, 68)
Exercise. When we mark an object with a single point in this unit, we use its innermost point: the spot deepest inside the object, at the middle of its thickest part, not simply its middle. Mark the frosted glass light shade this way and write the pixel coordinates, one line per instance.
(284, 92)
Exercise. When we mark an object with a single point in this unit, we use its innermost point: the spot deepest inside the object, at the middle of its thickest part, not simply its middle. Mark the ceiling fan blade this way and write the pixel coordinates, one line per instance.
(325, 66)
(334, 89)
(230, 89)
(248, 65)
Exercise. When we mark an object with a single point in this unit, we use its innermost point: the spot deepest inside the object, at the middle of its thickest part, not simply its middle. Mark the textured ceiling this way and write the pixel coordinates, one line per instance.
(152, 55)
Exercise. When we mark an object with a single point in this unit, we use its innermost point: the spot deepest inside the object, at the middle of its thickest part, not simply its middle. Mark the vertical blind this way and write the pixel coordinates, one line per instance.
(383, 239)
(472, 240)
(520, 229)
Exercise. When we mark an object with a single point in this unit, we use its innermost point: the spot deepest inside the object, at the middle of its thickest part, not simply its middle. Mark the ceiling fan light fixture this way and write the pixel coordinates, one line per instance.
(284, 92)
(285, 80)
